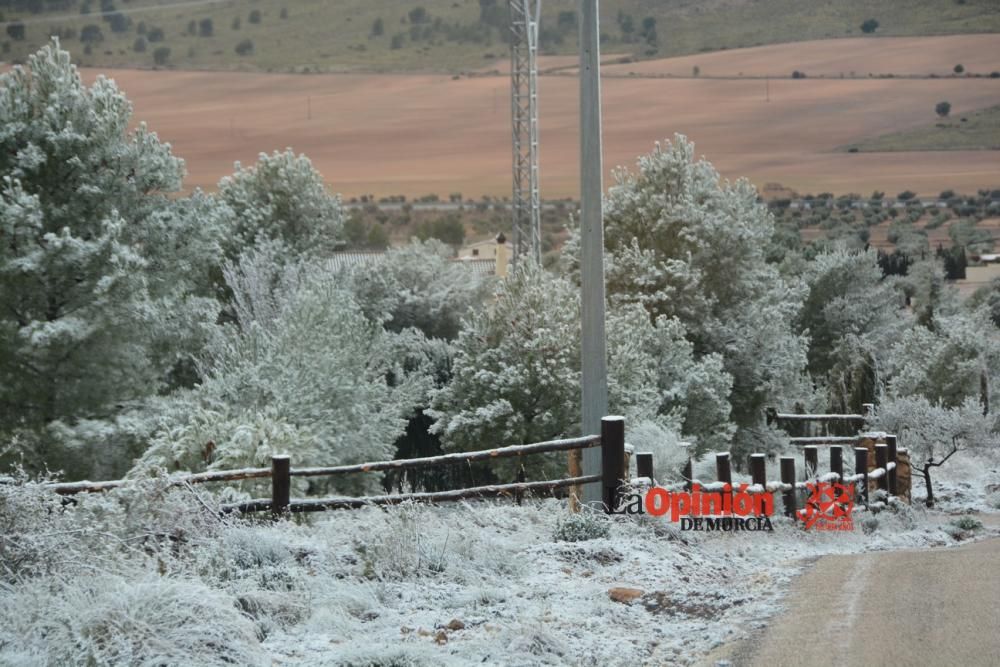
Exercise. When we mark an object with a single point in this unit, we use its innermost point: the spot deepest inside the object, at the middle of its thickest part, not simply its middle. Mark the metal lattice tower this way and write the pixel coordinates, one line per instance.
(524, 16)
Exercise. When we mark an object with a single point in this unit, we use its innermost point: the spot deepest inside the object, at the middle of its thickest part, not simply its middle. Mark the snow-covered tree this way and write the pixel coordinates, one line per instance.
(685, 244)
(98, 302)
(283, 198)
(930, 295)
(933, 432)
(988, 296)
(418, 285)
(957, 360)
(516, 371)
(301, 371)
(852, 315)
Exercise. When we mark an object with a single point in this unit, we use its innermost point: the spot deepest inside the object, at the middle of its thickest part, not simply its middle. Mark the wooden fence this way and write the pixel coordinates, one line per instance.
(883, 476)
(614, 469)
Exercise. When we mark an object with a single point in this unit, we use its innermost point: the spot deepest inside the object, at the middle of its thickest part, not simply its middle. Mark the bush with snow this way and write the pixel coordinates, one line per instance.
(140, 619)
(584, 525)
(302, 371)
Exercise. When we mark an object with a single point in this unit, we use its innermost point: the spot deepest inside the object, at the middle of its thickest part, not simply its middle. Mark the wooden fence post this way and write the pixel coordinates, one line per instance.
(861, 468)
(890, 441)
(722, 469)
(837, 462)
(612, 459)
(519, 494)
(644, 465)
(688, 471)
(758, 470)
(281, 484)
(882, 461)
(811, 460)
(788, 477)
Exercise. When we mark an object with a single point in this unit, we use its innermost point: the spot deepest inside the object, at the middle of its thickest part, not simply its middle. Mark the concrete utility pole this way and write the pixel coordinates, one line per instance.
(593, 344)
(525, 205)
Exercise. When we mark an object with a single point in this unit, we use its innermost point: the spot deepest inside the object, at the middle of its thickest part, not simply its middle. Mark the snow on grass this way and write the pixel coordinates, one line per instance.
(459, 584)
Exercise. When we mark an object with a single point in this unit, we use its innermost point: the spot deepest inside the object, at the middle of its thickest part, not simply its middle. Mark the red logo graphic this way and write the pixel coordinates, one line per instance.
(828, 506)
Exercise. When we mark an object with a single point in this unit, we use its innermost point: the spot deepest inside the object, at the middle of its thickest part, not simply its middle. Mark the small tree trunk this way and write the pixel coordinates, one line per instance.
(927, 482)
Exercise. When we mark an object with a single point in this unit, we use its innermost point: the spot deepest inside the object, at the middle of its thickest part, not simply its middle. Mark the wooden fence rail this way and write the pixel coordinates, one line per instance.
(613, 473)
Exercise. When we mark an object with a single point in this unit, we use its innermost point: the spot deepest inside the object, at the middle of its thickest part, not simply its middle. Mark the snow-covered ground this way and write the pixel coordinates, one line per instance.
(483, 583)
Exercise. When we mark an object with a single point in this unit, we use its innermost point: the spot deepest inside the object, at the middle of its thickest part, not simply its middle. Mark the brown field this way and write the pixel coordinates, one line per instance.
(419, 134)
(859, 56)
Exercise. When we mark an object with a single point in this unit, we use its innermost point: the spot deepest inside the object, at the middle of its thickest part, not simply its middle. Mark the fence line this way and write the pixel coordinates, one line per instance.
(320, 504)
(613, 472)
(884, 474)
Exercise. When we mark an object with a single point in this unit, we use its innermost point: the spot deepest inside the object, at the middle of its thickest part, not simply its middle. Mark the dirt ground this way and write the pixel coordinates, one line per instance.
(928, 607)
(420, 134)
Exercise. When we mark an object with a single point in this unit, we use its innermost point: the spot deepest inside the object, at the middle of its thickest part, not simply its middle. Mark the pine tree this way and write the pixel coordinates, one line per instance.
(686, 245)
(283, 198)
(96, 305)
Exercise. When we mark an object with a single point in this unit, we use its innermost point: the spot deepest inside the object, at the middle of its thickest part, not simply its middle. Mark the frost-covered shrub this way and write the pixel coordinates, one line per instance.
(931, 430)
(419, 286)
(116, 620)
(302, 371)
(968, 523)
(669, 457)
(581, 526)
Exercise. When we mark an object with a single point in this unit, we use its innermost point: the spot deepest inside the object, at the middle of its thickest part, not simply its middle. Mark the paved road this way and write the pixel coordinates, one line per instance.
(927, 608)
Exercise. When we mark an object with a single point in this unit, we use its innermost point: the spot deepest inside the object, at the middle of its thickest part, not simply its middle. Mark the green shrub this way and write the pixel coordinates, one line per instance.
(967, 523)
(582, 526)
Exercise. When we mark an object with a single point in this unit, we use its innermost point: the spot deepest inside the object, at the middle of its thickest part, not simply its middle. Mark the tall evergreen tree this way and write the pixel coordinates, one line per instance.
(97, 303)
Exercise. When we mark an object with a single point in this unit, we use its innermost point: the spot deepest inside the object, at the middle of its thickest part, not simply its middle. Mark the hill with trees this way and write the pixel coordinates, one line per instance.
(438, 35)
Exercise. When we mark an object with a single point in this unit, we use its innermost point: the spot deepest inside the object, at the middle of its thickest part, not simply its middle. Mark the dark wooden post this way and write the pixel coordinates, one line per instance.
(758, 470)
(644, 465)
(788, 477)
(281, 484)
(519, 494)
(722, 469)
(890, 441)
(811, 460)
(861, 468)
(881, 461)
(837, 462)
(612, 460)
(688, 472)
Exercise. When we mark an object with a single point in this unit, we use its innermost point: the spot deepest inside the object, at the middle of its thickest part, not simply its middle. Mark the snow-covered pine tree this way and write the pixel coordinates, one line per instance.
(283, 198)
(852, 316)
(97, 301)
(683, 243)
(516, 373)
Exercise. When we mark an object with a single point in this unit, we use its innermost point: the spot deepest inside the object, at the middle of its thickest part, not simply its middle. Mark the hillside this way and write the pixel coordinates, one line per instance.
(438, 35)
(979, 130)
